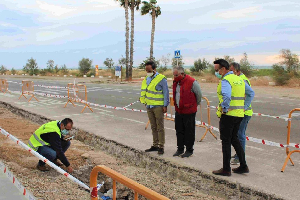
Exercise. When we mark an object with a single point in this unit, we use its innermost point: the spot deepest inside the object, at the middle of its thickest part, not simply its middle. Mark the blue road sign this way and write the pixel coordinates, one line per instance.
(177, 54)
(117, 68)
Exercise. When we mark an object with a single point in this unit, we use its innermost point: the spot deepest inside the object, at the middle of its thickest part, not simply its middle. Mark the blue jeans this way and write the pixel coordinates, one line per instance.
(242, 132)
(50, 153)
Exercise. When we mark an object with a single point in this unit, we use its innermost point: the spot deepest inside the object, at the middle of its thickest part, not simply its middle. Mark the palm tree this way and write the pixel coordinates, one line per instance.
(125, 4)
(154, 10)
(133, 4)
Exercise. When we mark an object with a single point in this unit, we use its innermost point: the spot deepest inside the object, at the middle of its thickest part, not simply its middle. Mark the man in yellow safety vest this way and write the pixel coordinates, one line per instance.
(51, 142)
(231, 109)
(155, 96)
(235, 67)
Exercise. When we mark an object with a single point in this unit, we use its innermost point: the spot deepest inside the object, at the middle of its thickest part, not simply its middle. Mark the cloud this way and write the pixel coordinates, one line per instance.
(240, 13)
(54, 9)
(51, 35)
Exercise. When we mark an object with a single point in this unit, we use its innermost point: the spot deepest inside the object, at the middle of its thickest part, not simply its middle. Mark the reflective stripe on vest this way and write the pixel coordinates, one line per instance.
(149, 94)
(248, 111)
(236, 106)
(36, 141)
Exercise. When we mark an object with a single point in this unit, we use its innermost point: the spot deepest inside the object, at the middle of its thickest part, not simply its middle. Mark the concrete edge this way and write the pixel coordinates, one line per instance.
(202, 181)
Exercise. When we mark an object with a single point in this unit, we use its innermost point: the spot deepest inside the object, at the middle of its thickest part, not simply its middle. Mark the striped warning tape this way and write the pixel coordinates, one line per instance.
(261, 141)
(26, 193)
(262, 115)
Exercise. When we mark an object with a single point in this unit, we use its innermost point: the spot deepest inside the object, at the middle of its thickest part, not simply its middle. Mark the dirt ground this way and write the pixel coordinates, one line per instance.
(52, 185)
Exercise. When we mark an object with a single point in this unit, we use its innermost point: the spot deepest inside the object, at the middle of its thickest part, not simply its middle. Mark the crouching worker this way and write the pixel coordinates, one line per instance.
(49, 140)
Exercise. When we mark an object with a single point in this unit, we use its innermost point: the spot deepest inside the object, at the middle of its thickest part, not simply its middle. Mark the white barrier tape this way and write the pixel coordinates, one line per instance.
(260, 114)
(270, 143)
(45, 86)
(36, 154)
(27, 194)
(131, 104)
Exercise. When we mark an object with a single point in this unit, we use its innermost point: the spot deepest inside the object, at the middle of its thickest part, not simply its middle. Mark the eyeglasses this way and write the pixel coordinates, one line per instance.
(216, 70)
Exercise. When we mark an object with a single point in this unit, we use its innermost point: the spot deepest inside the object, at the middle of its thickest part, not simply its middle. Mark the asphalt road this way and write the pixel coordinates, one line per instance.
(121, 95)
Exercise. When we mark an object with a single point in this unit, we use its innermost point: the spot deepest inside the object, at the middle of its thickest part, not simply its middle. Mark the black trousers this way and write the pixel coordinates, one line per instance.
(229, 127)
(185, 131)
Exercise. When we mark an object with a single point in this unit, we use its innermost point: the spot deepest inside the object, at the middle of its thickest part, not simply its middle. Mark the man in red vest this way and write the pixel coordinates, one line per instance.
(187, 96)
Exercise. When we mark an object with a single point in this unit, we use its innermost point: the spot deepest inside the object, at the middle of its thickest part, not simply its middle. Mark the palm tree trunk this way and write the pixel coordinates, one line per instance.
(127, 38)
(132, 39)
(152, 33)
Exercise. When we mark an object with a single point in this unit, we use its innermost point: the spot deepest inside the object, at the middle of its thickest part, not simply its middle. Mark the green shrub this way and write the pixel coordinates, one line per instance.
(280, 75)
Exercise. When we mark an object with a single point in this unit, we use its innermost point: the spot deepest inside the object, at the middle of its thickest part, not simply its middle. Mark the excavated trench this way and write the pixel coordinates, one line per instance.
(197, 179)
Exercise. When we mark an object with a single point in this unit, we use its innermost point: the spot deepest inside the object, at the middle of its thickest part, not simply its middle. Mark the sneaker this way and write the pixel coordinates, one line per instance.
(178, 153)
(161, 151)
(186, 154)
(152, 148)
(222, 172)
(42, 168)
(235, 161)
(241, 170)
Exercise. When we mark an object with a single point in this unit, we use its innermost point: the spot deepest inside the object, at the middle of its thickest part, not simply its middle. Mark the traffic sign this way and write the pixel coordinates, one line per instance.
(118, 71)
(177, 54)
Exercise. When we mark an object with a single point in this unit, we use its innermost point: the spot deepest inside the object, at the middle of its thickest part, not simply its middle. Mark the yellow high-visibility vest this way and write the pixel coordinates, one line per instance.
(248, 111)
(149, 94)
(237, 103)
(36, 141)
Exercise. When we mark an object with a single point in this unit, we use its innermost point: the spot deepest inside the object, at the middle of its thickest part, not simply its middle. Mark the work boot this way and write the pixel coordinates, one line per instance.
(161, 151)
(42, 168)
(186, 154)
(178, 153)
(222, 172)
(58, 163)
(241, 170)
(152, 148)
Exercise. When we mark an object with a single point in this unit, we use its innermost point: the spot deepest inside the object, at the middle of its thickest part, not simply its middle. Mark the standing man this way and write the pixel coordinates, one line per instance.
(155, 95)
(231, 109)
(49, 141)
(187, 96)
(235, 67)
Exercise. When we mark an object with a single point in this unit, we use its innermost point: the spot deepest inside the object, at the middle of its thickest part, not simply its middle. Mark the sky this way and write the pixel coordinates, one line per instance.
(68, 30)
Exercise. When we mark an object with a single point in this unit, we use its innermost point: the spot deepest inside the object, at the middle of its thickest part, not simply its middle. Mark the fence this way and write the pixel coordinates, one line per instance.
(206, 126)
(288, 152)
(28, 88)
(4, 85)
(117, 177)
(77, 93)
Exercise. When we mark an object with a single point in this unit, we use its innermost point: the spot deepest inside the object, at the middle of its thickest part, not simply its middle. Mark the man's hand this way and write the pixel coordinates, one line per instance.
(69, 169)
(165, 109)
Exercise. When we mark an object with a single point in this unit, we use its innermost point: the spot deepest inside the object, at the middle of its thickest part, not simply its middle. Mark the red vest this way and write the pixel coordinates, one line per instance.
(188, 100)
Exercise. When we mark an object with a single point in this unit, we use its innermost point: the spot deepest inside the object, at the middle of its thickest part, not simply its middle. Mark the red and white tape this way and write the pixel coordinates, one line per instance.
(36, 154)
(261, 141)
(26, 193)
(131, 104)
(44, 86)
(260, 114)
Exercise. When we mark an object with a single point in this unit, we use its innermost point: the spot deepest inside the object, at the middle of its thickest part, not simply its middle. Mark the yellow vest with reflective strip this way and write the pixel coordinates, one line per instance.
(237, 103)
(149, 94)
(36, 141)
(249, 111)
